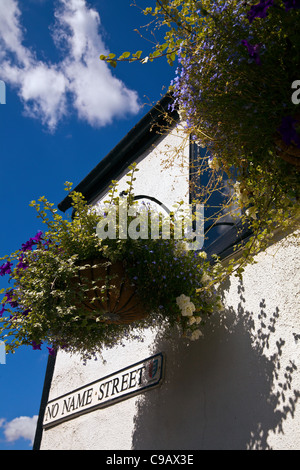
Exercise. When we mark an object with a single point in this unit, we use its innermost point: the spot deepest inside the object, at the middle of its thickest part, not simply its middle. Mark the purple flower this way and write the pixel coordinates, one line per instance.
(35, 345)
(9, 298)
(28, 245)
(52, 351)
(253, 50)
(5, 268)
(25, 312)
(32, 241)
(21, 264)
(259, 10)
(2, 310)
(38, 237)
(9, 295)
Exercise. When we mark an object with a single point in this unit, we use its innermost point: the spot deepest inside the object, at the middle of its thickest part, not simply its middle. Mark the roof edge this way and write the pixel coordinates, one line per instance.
(143, 134)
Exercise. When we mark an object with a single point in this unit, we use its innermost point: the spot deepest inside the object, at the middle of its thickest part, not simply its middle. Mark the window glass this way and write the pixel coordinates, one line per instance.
(213, 189)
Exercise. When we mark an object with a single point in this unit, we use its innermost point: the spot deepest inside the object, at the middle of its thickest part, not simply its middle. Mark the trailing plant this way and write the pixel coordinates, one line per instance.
(237, 69)
(45, 303)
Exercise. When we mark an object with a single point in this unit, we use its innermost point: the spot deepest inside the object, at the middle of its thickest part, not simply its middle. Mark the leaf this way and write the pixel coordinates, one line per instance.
(156, 54)
(173, 56)
(137, 55)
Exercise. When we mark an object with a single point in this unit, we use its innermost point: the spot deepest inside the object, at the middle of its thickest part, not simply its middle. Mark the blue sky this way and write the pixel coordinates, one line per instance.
(65, 110)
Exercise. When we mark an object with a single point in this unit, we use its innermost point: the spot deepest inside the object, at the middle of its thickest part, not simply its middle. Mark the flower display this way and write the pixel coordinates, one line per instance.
(237, 64)
(186, 306)
(223, 84)
(58, 293)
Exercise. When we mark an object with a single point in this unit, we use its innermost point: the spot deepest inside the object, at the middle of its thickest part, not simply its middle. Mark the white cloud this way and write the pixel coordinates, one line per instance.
(22, 427)
(80, 81)
(12, 32)
(43, 90)
(98, 96)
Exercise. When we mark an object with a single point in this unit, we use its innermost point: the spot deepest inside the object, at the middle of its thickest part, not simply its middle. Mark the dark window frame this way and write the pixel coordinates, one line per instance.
(226, 243)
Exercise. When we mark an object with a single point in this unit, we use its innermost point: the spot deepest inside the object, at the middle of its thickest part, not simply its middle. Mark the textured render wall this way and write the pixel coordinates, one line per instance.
(237, 387)
(108, 428)
(267, 303)
(112, 428)
(167, 182)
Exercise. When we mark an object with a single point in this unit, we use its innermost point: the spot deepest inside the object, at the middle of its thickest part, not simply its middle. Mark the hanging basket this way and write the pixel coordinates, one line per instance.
(108, 292)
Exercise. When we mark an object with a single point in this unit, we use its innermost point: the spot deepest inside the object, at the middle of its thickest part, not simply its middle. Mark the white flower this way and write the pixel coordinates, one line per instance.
(193, 320)
(241, 194)
(213, 164)
(186, 306)
(237, 188)
(251, 212)
(196, 335)
(202, 254)
(220, 306)
(182, 300)
(206, 278)
(188, 310)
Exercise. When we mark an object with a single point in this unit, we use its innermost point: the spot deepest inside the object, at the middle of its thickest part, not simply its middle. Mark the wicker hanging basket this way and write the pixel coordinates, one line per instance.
(108, 292)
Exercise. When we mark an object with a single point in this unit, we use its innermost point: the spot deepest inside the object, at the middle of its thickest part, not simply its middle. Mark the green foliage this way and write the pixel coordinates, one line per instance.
(44, 301)
(237, 62)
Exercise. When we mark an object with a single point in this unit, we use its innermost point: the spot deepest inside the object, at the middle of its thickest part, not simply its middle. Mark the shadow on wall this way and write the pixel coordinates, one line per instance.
(221, 392)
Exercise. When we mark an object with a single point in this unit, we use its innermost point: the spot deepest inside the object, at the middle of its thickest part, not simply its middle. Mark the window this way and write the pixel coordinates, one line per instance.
(222, 231)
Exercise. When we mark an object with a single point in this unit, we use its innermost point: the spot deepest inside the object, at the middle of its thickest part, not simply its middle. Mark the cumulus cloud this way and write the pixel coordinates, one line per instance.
(79, 81)
(22, 427)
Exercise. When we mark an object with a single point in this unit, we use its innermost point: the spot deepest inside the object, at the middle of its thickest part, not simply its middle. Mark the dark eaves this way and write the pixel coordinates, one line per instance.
(126, 152)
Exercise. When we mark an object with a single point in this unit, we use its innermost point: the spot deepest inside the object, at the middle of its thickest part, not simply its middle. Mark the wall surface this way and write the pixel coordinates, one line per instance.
(163, 170)
(237, 387)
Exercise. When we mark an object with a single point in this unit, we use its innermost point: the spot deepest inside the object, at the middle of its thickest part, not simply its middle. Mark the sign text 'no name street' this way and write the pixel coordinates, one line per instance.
(123, 384)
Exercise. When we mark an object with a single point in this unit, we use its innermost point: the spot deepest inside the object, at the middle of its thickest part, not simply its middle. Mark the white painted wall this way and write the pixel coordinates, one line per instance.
(237, 387)
(165, 180)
